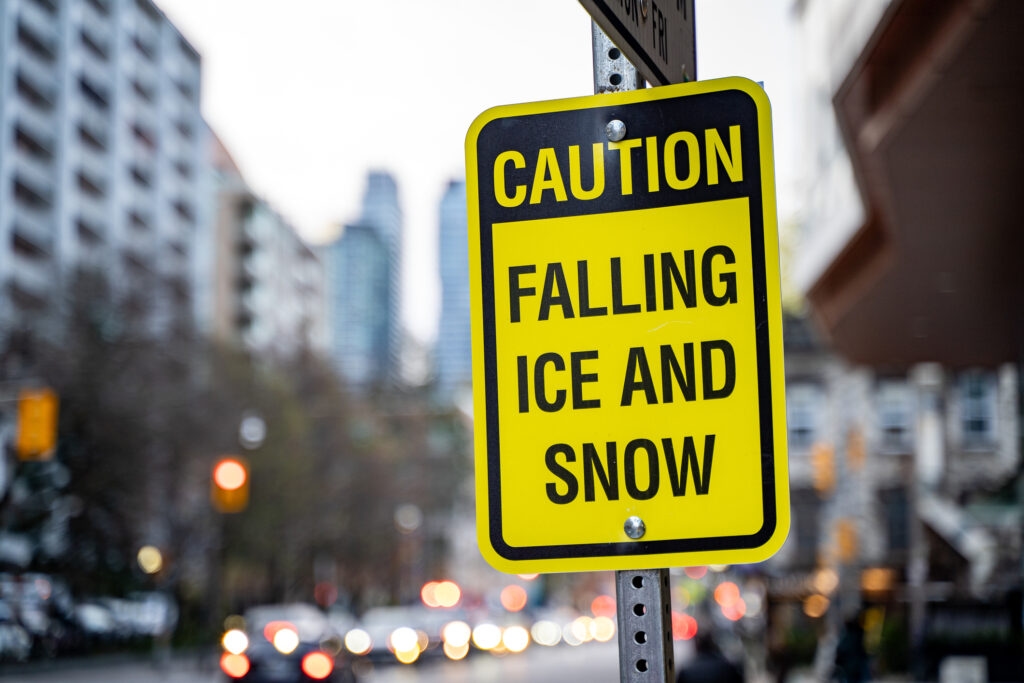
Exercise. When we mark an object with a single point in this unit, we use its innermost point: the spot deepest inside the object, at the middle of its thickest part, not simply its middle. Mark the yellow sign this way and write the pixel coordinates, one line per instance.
(627, 339)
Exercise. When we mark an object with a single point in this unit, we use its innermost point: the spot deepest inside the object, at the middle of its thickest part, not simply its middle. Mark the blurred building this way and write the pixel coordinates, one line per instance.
(364, 287)
(905, 437)
(268, 292)
(453, 363)
(101, 156)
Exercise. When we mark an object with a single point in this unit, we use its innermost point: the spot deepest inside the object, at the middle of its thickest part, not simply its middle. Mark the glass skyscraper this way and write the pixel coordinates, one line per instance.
(364, 271)
(452, 353)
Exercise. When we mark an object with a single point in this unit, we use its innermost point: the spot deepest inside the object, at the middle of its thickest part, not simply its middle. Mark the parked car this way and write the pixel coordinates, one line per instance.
(291, 643)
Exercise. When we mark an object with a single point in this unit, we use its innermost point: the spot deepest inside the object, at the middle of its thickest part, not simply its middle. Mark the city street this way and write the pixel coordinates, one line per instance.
(595, 663)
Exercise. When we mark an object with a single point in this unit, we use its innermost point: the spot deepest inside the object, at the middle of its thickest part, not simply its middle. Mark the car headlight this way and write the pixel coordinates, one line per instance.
(235, 641)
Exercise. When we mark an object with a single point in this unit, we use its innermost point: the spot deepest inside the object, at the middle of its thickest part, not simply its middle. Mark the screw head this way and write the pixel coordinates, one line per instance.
(615, 130)
(635, 527)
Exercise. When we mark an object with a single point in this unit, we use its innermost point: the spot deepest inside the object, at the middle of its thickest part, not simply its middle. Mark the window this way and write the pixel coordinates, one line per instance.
(896, 508)
(93, 94)
(88, 187)
(803, 414)
(25, 142)
(977, 401)
(35, 45)
(37, 97)
(806, 515)
(895, 404)
(90, 140)
(99, 51)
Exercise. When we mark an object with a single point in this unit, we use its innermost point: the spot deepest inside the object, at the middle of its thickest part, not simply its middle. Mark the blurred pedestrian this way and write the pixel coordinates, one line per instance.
(852, 664)
(710, 665)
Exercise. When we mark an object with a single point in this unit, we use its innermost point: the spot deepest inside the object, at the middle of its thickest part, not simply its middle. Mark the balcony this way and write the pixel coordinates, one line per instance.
(138, 246)
(94, 166)
(95, 26)
(35, 226)
(100, 73)
(40, 126)
(34, 276)
(94, 212)
(35, 173)
(94, 120)
(41, 75)
(43, 25)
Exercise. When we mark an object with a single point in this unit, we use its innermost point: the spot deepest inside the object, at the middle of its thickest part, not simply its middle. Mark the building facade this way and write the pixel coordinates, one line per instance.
(101, 156)
(363, 289)
(905, 435)
(268, 293)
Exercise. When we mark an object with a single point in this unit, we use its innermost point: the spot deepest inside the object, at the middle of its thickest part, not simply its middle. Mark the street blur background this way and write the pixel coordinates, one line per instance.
(218, 395)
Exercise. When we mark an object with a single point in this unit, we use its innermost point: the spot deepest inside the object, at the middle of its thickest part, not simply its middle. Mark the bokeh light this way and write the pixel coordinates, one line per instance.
(286, 640)
(234, 666)
(486, 636)
(235, 641)
(547, 633)
(513, 598)
(317, 665)
(816, 605)
(684, 627)
(603, 606)
(150, 559)
(456, 633)
(602, 629)
(358, 641)
(515, 639)
(696, 572)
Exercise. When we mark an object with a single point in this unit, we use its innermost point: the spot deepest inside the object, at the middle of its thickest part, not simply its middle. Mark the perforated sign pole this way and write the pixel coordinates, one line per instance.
(643, 598)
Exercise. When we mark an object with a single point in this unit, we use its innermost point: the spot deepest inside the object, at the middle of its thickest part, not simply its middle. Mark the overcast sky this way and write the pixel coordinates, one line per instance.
(309, 95)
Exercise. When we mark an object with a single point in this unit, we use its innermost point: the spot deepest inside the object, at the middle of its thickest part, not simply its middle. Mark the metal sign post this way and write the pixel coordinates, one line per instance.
(643, 601)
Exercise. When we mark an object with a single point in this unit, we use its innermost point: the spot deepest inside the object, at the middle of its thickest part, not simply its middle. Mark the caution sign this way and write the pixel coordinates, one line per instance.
(627, 338)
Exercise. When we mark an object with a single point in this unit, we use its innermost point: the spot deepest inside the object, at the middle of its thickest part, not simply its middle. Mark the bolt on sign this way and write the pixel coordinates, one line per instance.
(627, 335)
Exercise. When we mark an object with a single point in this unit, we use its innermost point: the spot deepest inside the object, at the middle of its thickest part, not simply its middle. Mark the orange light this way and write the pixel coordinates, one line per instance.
(513, 598)
(727, 593)
(234, 666)
(447, 594)
(816, 605)
(696, 572)
(230, 475)
(229, 485)
(603, 606)
(735, 611)
(684, 627)
(317, 665)
(428, 594)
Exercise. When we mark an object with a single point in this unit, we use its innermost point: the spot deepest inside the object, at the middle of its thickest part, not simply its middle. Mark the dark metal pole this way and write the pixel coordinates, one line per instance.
(645, 626)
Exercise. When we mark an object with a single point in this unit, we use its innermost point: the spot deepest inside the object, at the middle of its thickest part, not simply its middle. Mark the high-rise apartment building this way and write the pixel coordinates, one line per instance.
(101, 156)
(364, 285)
(268, 284)
(453, 363)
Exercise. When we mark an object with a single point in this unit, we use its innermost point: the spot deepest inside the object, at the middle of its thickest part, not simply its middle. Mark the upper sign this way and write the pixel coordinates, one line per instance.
(657, 37)
(627, 333)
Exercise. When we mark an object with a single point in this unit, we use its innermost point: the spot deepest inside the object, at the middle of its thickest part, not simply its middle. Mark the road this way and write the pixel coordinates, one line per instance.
(593, 662)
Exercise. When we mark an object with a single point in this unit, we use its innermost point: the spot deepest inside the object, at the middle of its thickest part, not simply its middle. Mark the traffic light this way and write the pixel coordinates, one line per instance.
(37, 424)
(229, 484)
